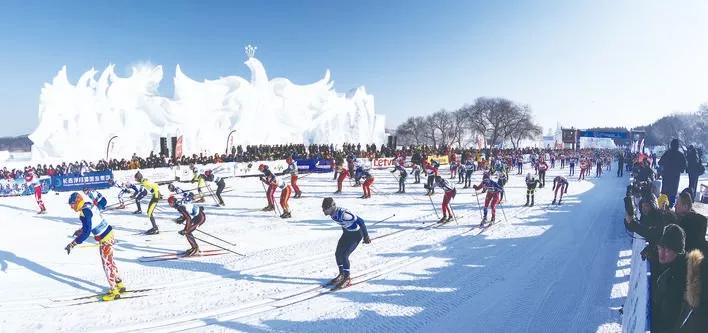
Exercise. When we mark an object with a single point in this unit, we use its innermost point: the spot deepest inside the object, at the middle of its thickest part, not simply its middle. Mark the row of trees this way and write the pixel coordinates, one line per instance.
(491, 120)
(690, 128)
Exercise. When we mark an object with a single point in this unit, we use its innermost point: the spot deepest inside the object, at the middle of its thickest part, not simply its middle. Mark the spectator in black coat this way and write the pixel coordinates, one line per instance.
(694, 169)
(673, 163)
(667, 297)
(693, 224)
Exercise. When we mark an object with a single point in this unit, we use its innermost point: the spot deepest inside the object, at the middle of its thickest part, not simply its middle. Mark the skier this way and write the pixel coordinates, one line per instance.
(351, 165)
(97, 198)
(139, 192)
(531, 184)
(416, 173)
(559, 184)
(292, 170)
(584, 166)
(199, 179)
(493, 190)
(571, 166)
(519, 165)
(155, 192)
(33, 180)
(185, 197)
(461, 173)
(469, 169)
(368, 180)
(343, 174)
(542, 167)
(124, 190)
(285, 191)
(268, 178)
(402, 175)
(220, 185)
(431, 169)
(93, 223)
(353, 230)
(450, 193)
(194, 217)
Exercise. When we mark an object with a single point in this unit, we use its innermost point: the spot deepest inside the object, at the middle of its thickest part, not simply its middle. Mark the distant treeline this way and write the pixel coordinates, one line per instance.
(17, 143)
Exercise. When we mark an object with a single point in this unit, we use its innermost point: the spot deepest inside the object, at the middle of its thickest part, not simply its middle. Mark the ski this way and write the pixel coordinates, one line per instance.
(126, 293)
(98, 299)
(174, 256)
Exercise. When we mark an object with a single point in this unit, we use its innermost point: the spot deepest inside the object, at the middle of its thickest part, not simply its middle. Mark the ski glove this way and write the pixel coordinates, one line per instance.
(367, 240)
(69, 247)
(181, 232)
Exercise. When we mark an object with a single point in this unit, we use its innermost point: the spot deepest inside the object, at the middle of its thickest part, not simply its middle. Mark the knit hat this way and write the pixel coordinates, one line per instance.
(663, 200)
(673, 238)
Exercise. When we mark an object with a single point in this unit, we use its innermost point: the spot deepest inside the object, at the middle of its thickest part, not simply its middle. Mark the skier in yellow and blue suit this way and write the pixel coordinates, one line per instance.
(154, 190)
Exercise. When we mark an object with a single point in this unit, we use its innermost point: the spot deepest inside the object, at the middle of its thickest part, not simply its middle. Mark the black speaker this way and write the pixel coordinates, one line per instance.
(390, 141)
(163, 146)
(174, 146)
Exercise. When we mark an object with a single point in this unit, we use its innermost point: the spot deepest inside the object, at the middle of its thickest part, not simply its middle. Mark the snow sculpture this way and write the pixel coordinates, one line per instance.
(76, 121)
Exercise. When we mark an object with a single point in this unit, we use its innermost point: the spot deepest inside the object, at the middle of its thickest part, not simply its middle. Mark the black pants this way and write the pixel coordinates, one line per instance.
(402, 183)
(197, 222)
(416, 176)
(693, 184)
(542, 177)
(468, 178)
(669, 186)
(220, 188)
(431, 178)
(345, 246)
(620, 170)
(572, 169)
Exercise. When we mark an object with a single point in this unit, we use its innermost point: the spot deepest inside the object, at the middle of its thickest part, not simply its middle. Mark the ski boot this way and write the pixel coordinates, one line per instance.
(298, 194)
(120, 286)
(337, 279)
(268, 208)
(554, 202)
(559, 202)
(443, 219)
(111, 295)
(337, 192)
(492, 220)
(138, 211)
(288, 215)
(527, 201)
(484, 220)
(450, 218)
(345, 282)
(194, 251)
(122, 206)
(152, 231)
(531, 202)
(179, 220)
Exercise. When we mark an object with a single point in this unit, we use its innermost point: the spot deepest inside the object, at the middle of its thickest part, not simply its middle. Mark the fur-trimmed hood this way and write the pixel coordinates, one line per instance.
(693, 278)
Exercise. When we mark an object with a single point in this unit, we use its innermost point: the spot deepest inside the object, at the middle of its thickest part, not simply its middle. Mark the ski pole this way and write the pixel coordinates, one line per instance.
(223, 248)
(453, 212)
(210, 235)
(377, 222)
(503, 213)
(213, 196)
(479, 207)
(434, 208)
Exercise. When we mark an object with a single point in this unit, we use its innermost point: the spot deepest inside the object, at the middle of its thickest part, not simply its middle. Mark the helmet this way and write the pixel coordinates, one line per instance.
(289, 160)
(138, 176)
(207, 172)
(171, 200)
(75, 199)
(262, 167)
(171, 187)
(327, 205)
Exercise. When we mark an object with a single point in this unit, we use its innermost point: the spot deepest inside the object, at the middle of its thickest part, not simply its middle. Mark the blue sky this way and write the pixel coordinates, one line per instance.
(580, 63)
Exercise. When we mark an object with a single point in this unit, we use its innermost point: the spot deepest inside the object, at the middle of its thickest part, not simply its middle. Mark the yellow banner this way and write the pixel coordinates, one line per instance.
(442, 159)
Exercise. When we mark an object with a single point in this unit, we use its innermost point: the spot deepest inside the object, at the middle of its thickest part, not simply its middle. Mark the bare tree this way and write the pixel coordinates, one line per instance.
(412, 131)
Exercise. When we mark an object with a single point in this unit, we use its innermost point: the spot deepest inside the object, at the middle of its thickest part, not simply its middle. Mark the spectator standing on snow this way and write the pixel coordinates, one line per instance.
(694, 168)
(673, 163)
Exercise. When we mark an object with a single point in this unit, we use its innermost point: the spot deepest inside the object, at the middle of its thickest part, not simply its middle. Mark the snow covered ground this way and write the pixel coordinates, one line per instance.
(542, 269)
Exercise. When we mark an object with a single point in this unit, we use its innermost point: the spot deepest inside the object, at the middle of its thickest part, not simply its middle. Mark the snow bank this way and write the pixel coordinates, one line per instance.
(76, 121)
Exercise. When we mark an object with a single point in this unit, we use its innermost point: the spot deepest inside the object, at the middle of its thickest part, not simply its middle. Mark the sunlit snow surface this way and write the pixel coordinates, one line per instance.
(77, 120)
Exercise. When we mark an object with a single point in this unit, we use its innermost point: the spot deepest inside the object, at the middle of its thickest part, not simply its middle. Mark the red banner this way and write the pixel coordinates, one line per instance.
(178, 147)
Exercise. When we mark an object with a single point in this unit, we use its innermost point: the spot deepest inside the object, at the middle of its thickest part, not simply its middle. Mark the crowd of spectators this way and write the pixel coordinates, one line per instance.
(676, 243)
